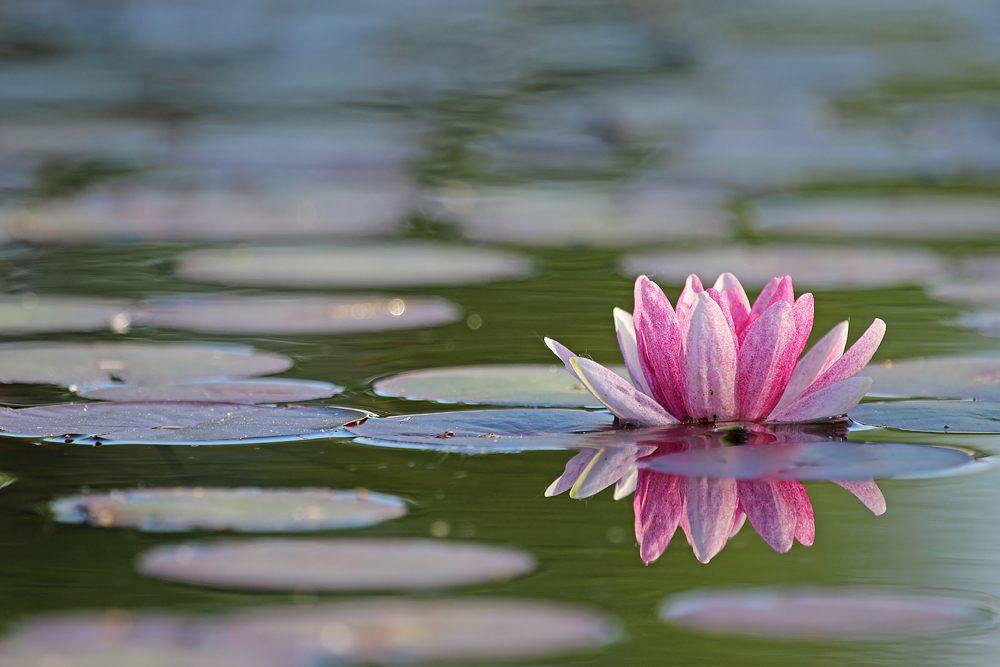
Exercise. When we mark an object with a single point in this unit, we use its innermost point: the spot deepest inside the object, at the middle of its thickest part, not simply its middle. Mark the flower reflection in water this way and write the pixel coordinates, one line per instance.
(710, 510)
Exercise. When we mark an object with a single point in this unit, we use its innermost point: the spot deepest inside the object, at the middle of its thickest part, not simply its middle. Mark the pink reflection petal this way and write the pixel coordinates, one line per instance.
(868, 493)
(658, 509)
(771, 510)
(574, 468)
(709, 509)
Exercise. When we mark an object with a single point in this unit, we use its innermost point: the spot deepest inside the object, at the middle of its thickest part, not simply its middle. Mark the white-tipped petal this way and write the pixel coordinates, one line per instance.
(830, 401)
(574, 468)
(607, 467)
(625, 329)
(624, 400)
(564, 354)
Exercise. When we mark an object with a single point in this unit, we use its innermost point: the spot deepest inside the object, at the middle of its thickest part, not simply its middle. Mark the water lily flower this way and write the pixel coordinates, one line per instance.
(716, 357)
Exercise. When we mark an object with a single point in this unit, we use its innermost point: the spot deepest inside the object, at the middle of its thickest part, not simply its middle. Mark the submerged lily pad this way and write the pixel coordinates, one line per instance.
(825, 266)
(334, 564)
(240, 509)
(936, 377)
(272, 390)
(482, 431)
(807, 613)
(174, 423)
(298, 314)
(933, 416)
(548, 386)
(88, 364)
(368, 266)
(847, 461)
(28, 313)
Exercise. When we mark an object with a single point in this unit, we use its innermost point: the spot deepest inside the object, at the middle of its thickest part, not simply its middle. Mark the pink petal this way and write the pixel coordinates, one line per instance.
(658, 508)
(564, 353)
(816, 362)
(709, 510)
(765, 361)
(603, 470)
(854, 360)
(803, 311)
(738, 520)
(574, 468)
(805, 526)
(723, 304)
(689, 295)
(727, 282)
(740, 316)
(625, 329)
(771, 511)
(868, 493)
(709, 364)
(776, 289)
(659, 344)
(831, 401)
(624, 400)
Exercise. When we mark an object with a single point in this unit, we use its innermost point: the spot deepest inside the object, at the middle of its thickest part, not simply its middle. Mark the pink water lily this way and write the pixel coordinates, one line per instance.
(716, 357)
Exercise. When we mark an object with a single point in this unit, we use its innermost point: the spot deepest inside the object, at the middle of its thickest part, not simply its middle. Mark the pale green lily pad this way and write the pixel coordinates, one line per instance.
(345, 266)
(239, 509)
(936, 377)
(251, 391)
(931, 416)
(531, 385)
(334, 564)
(28, 313)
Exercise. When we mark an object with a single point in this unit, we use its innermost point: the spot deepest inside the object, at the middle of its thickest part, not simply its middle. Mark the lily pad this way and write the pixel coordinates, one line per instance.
(482, 431)
(28, 313)
(821, 267)
(345, 266)
(88, 364)
(174, 422)
(936, 377)
(239, 509)
(537, 386)
(987, 322)
(272, 390)
(846, 461)
(807, 613)
(298, 314)
(334, 564)
(932, 416)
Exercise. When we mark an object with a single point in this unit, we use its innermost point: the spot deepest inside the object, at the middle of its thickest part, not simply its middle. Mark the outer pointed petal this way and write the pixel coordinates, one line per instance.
(689, 295)
(624, 400)
(805, 527)
(854, 360)
(574, 468)
(816, 362)
(564, 353)
(803, 310)
(765, 362)
(625, 329)
(709, 507)
(605, 469)
(868, 493)
(771, 511)
(763, 299)
(831, 401)
(659, 344)
(709, 364)
(728, 281)
(626, 484)
(658, 508)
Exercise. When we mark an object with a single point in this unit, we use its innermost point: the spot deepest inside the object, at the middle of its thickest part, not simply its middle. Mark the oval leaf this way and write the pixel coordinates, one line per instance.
(49, 314)
(279, 390)
(936, 377)
(932, 416)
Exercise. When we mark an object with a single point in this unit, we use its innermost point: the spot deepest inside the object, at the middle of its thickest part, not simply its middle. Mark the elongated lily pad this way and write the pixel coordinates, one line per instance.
(240, 509)
(271, 390)
(28, 313)
(548, 386)
(807, 613)
(334, 565)
(936, 377)
(174, 423)
(88, 364)
(298, 314)
(934, 416)
(827, 267)
(482, 431)
(369, 266)
(847, 461)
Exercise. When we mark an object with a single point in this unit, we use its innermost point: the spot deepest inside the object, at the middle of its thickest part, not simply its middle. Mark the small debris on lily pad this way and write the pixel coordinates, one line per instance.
(239, 509)
(251, 391)
(820, 267)
(808, 613)
(936, 377)
(531, 385)
(931, 416)
(274, 314)
(483, 431)
(334, 564)
(89, 364)
(28, 313)
(346, 266)
(174, 423)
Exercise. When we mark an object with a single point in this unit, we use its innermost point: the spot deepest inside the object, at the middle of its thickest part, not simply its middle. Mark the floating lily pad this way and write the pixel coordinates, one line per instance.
(482, 431)
(334, 565)
(847, 461)
(241, 509)
(933, 416)
(88, 364)
(806, 613)
(174, 423)
(936, 377)
(369, 266)
(28, 313)
(272, 390)
(826, 266)
(987, 322)
(549, 386)
(298, 314)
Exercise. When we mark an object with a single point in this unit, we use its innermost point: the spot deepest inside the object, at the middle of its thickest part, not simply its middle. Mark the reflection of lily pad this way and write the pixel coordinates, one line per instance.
(269, 390)
(549, 386)
(174, 423)
(815, 460)
(243, 509)
(826, 266)
(334, 564)
(819, 614)
(482, 431)
(936, 377)
(933, 416)
(87, 364)
(33, 314)
(369, 266)
(298, 314)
